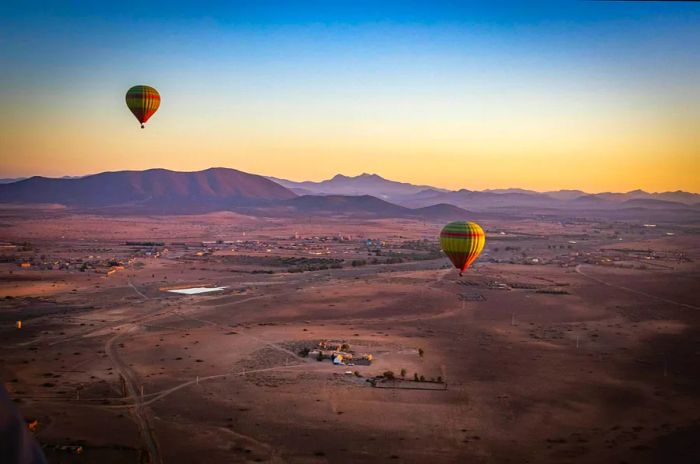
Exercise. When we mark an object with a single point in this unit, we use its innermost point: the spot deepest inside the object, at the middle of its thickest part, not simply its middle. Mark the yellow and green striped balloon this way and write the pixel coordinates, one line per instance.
(143, 101)
(462, 242)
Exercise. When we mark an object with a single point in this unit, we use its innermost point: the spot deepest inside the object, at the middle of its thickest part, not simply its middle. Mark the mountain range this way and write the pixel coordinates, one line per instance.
(164, 191)
(411, 195)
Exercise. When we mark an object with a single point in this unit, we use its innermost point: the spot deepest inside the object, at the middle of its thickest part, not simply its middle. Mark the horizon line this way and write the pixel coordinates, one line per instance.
(69, 177)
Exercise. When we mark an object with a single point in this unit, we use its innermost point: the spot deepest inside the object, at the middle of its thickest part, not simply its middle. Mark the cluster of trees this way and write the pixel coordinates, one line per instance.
(417, 378)
(311, 268)
(389, 375)
(280, 261)
(301, 261)
(374, 261)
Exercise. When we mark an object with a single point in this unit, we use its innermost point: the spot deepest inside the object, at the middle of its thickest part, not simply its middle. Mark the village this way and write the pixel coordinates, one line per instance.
(298, 253)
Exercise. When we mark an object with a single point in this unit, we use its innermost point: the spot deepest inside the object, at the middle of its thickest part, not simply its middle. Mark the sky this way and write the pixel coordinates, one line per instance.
(598, 96)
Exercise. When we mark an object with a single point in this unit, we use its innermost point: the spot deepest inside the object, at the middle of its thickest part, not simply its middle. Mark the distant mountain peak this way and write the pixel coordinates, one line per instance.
(363, 176)
(365, 183)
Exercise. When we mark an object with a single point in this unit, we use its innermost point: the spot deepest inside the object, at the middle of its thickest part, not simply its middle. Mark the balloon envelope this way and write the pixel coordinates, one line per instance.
(143, 101)
(462, 242)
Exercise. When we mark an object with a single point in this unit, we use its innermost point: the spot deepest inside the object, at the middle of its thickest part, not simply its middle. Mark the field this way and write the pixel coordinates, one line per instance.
(568, 341)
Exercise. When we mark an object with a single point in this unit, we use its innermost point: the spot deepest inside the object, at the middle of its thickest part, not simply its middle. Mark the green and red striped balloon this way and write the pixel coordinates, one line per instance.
(462, 242)
(143, 101)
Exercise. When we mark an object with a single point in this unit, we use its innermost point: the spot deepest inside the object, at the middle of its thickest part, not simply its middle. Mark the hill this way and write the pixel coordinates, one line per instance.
(344, 204)
(443, 211)
(153, 189)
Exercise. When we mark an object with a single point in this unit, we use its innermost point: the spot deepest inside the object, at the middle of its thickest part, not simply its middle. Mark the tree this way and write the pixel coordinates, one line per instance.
(422, 378)
(439, 379)
(320, 356)
(389, 375)
(415, 377)
(403, 373)
(421, 352)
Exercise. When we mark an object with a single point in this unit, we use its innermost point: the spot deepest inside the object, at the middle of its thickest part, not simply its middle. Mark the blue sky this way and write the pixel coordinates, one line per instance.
(521, 82)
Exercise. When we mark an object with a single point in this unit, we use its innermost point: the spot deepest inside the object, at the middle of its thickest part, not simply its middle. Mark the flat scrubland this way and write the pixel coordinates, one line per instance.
(569, 341)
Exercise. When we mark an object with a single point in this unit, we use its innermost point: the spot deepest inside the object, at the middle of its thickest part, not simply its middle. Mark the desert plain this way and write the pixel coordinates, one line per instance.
(567, 341)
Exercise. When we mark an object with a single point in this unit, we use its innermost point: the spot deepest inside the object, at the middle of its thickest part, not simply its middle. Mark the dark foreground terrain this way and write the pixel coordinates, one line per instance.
(569, 341)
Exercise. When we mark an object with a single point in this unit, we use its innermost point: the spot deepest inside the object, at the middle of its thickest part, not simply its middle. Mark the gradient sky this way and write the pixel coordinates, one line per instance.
(600, 96)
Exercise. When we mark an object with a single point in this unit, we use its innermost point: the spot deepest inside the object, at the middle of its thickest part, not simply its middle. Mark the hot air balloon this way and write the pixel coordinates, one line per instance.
(462, 242)
(143, 101)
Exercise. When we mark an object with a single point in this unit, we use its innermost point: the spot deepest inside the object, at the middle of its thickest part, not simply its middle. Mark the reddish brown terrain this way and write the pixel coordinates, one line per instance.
(568, 341)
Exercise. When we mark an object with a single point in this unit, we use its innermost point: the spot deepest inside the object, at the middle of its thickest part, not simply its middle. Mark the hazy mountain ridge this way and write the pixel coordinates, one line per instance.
(216, 189)
(9, 180)
(411, 195)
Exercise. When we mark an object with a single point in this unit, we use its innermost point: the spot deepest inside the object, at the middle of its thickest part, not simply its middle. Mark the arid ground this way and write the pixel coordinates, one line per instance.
(568, 341)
